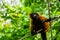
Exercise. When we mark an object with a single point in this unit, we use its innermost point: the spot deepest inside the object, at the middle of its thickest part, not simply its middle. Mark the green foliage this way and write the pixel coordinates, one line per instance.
(14, 20)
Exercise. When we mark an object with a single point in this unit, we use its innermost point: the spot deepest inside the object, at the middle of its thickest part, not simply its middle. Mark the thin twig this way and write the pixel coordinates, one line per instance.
(27, 35)
(49, 18)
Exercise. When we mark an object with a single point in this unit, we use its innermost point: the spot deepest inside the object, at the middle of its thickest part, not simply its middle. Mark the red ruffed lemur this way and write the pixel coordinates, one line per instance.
(39, 24)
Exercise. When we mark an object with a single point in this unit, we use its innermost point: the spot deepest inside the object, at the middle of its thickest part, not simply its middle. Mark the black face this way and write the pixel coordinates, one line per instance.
(34, 16)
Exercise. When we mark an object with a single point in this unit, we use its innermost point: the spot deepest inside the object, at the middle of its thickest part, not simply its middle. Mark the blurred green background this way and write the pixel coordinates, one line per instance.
(14, 18)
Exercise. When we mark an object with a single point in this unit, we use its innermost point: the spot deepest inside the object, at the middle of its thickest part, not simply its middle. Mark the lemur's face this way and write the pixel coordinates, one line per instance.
(34, 16)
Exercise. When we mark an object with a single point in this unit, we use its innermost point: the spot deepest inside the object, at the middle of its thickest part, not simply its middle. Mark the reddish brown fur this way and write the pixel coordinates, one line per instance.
(40, 17)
